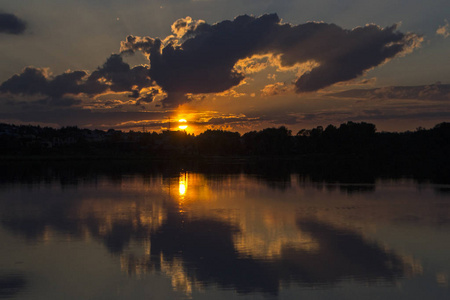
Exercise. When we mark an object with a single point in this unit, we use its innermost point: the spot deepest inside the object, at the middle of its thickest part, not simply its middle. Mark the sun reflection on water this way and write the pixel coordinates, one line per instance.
(182, 185)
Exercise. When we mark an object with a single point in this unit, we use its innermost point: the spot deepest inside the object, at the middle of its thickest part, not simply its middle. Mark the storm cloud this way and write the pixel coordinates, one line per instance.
(201, 58)
(11, 24)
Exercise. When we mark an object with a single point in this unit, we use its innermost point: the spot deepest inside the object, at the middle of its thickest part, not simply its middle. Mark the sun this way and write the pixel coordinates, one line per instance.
(182, 126)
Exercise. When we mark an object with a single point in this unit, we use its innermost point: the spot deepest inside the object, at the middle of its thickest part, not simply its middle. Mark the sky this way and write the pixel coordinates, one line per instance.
(237, 65)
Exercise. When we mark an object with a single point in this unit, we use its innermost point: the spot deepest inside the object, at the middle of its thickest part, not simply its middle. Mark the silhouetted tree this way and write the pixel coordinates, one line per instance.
(270, 141)
(219, 142)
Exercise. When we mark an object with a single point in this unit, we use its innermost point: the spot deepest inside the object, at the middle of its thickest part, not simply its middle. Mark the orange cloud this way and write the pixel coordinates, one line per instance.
(276, 89)
(444, 30)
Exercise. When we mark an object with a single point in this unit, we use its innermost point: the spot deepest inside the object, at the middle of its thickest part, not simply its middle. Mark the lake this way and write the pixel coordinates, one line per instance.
(221, 232)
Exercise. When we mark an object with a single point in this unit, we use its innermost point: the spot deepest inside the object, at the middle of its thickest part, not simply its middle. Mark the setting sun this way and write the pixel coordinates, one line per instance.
(182, 125)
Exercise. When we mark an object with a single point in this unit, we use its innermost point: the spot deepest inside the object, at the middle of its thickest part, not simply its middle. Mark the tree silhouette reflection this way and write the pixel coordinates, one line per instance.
(11, 284)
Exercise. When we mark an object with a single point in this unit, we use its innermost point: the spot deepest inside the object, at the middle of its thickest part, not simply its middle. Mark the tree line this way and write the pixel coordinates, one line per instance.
(349, 140)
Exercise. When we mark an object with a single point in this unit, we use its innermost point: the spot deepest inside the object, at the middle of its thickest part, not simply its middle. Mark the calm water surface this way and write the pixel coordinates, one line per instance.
(189, 235)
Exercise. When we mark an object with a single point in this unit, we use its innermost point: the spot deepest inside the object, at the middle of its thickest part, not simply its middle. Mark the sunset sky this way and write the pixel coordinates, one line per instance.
(237, 65)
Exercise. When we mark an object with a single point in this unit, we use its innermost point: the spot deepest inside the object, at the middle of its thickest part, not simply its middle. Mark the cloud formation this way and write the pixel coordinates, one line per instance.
(36, 81)
(444, 30)
(114, 75)
(433, 92)
(201, 58)
(120, 77)
(274, 89)
(11, 24)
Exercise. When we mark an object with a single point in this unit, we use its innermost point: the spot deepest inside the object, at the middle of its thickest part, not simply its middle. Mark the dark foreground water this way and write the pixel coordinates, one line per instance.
(221, 235)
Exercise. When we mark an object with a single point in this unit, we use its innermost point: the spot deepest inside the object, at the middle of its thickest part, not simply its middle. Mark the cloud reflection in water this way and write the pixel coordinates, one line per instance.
(249, 245)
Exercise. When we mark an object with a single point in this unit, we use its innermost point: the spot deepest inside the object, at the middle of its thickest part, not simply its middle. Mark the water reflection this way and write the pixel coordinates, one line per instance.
(11, 284)
(229, 231)
(206, 251)
(275, 174)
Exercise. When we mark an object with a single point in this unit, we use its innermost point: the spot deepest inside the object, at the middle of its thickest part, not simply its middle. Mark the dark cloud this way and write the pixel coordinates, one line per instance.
(31, 81)
(226, 120)
(343, 54)
(115, 75)
(43, 103)
(281, 119)
(201, 58)
(69, 116)
(433, 92)
(401, 115)
(11, 24)
(63, 102)
(174, 99)
(121, 77)
(375, 115)
(35, 81)
(56, 90)
(76, 82)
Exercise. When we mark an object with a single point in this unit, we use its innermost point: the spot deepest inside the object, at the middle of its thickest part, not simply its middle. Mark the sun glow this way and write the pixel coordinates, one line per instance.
(182, 125)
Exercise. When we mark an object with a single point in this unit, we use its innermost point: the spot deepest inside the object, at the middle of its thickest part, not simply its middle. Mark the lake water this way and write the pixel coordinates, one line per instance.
(183, 234)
